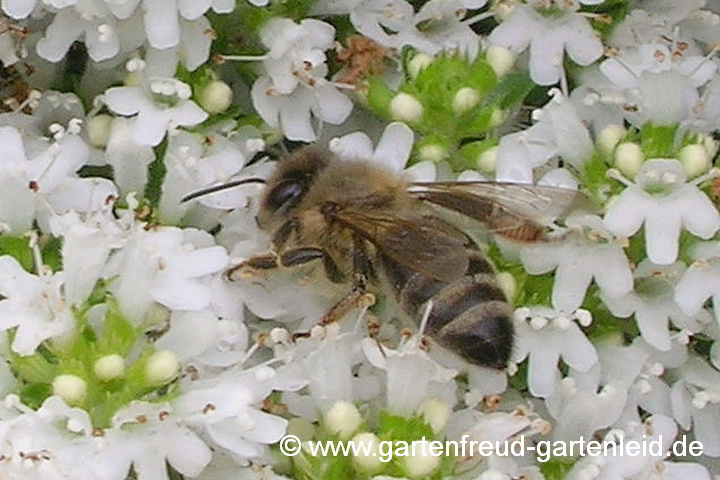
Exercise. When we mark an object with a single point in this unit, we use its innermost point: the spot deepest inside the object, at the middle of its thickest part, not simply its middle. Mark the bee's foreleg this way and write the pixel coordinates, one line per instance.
(289, 258)
(267, 261)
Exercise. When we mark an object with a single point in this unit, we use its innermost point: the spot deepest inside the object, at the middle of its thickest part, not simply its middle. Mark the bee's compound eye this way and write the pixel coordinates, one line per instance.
(284, 193)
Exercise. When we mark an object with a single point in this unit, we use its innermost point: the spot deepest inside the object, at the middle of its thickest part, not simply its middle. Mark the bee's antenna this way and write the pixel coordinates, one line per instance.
(219, 188)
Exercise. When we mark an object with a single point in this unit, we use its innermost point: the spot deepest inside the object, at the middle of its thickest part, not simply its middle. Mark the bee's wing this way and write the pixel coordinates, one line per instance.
(514, 210)
(425, 244)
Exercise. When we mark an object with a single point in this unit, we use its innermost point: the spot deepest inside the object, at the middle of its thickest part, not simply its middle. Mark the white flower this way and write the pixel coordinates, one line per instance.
(662, 202)
(32, 304)
(701, 280)
(660, 83)
(129, 160)
(548, 38)
(658, 430)
(695, 398)
(98, 30)
(87, 243)
(437, 26)
(558, 131)
(392, 151)
(164, 265)
(296, 86)
(327, 366)
(193, 49)
(224, 408)
(46, 185)
(580, 406)
(440, 25)
(412, 376)
(294, 49)
(202, 337)
(50, 443)
(380, 19)
(145, 436)
(653, 305)
(545, 335)
(634, 370)
(193, 163)
(191, 9)
(162, 19)
(588, 252)
(18, 8)
(292, 113)
(163, 106)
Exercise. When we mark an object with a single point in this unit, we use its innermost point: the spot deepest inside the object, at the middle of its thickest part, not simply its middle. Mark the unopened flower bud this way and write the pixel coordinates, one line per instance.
(423, 462)
(433, 152)
(70, 388)
(418, 63)
(609, 137)
(161, 367)
(134, 79)
(98, 128)
(538, 323)
(629, 158)
(507, 284)
(695, 159)
(435, 412)
(485, 162)
(465, 99)
(407, 108)
(497, 117)
(501, 59)
(343, 419)
(109, 367)
(368, 457)
(216, 97)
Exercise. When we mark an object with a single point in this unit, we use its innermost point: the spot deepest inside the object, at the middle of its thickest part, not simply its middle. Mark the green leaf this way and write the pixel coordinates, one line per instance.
(511, 90)
(33, 368)
(34, 394)
(156, 175)
(555, 470)
(379, 96)
(19, 249)
(119, 335)
(657, 141)
(52, 253)
(397, 428)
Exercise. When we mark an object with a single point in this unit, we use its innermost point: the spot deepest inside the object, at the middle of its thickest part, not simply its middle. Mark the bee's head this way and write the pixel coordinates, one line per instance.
(290, 182)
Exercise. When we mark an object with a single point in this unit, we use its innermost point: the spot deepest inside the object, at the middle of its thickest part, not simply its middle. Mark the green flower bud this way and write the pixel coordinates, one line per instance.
(216, 97)
(406, 108)
(70, 388)
(109, 367)
(343, 419)
(161, 367)
(629, 158)
(98, 128)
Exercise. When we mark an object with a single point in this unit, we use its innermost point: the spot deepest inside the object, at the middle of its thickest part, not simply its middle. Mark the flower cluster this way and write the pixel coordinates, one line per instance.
(131, 347)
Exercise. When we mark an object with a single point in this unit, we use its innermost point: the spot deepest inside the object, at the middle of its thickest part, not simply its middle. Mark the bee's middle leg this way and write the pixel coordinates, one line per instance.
(358, 296)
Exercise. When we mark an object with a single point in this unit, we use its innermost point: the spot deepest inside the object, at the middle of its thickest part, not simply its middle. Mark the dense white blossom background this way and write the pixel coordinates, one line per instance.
(125, 350)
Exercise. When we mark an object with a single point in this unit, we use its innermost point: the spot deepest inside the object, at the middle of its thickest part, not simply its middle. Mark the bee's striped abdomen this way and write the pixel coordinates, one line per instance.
(470, 315)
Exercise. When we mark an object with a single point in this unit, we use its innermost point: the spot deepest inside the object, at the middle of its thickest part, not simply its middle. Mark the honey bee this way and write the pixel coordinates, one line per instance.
(367, 225)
